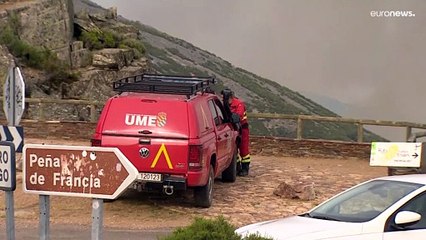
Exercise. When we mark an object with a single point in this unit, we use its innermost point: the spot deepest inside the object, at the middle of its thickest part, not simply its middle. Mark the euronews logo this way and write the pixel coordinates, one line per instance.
(392, 13)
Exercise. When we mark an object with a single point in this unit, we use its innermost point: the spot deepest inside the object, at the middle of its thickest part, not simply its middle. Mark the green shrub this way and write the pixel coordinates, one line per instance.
(256, 237)
(35, 57)
(209, 229)
(135, 44)
(203, 229)
(110, 39)
(91, 40)
(96, 40)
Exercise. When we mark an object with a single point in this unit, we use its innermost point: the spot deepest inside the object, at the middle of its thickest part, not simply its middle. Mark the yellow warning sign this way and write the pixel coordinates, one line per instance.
(163, 151)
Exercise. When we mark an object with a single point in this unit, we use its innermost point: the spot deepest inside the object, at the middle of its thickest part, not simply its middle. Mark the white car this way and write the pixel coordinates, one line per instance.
(387, 208)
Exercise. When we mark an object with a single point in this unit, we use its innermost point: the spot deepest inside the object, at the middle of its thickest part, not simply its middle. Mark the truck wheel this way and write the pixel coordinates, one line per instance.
(204, 195)
(230, 173)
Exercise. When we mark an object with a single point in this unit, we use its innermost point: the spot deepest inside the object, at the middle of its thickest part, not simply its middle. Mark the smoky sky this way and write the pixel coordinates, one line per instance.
(333, 48)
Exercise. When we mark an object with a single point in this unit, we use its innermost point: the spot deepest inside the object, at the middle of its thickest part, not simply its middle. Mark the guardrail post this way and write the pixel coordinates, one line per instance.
(408, 134)
(41, 111)
(299, 129)
(92, 113)
(360, 132)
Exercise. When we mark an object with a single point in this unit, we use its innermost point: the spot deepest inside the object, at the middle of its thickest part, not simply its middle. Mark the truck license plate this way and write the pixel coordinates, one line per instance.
(152, 177)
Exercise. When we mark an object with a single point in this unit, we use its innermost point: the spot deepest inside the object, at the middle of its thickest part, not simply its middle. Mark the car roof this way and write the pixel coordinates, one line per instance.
(413, 178)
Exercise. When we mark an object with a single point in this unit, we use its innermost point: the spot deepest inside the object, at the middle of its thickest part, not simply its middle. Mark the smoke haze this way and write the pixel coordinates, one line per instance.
(333, 48)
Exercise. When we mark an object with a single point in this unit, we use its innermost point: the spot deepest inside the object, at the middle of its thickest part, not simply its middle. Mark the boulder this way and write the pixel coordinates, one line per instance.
(112, 58)
(296, 190)
(83, 23)
(96, 84)
(111, 13)
(80, 57)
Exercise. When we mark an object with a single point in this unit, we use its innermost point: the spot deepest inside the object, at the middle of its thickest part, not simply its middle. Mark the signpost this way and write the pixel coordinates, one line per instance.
(13, 106)
(78, 171)
(8, 183)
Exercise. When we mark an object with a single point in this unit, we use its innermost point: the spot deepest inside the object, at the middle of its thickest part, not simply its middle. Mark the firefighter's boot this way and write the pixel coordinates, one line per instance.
(239, 168)
(245, 167)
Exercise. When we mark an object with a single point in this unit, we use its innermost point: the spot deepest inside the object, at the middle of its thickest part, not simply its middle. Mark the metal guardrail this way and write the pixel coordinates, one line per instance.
(360, 123)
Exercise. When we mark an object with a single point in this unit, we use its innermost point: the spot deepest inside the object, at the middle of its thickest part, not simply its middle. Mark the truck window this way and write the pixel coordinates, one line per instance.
(220, 111)
(203, 123)
(216, 117)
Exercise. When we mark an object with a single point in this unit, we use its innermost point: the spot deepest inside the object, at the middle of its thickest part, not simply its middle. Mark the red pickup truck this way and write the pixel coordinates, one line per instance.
(177, 134)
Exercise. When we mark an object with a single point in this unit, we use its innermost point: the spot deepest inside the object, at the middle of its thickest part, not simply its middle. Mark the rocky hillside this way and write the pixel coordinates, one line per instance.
(105, 47)
(67, 54)
(170, 55)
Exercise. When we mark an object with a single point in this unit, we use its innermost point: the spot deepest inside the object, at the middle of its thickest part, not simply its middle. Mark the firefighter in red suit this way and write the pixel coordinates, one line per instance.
(237, 106)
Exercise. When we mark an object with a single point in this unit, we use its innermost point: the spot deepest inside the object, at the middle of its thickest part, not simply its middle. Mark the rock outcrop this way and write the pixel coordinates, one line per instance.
(5, 61)
(112, 58)
(80, 57)
(43, 23)
(54, 25)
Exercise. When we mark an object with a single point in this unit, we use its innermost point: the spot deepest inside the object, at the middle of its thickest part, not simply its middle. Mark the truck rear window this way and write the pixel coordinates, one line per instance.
(156, 117)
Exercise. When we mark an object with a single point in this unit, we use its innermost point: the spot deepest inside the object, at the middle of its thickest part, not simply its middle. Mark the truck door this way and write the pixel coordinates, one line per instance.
(223, 134)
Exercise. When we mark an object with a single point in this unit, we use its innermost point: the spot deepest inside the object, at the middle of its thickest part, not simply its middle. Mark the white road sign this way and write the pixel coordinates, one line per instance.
(14, 96)
(396, 154)
(13, 134)
(7, 166)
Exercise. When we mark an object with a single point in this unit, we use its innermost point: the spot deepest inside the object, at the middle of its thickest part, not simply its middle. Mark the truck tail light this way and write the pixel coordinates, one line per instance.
(195, 159)
(96, 142)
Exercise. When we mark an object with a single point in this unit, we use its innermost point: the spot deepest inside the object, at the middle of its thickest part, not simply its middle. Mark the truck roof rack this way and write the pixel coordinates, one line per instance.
(154, 83)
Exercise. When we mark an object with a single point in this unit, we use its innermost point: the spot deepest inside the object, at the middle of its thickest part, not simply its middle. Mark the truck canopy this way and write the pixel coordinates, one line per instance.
(147, 114)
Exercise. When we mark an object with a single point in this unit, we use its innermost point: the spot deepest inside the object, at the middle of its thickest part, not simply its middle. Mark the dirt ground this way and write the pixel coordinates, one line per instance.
(248, 200)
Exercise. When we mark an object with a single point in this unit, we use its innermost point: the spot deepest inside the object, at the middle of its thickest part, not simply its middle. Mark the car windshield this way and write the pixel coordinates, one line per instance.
(364, 202)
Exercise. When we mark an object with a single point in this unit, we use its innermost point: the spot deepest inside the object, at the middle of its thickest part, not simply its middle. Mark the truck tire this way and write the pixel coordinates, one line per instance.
(204, 195)
(230, 173)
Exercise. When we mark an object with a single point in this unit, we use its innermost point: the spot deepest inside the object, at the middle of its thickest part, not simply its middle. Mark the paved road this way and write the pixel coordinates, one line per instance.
(65, 232)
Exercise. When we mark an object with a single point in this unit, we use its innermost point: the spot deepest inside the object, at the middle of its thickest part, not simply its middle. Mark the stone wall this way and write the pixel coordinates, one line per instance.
(259, 145)
(312, 148)
(56, 129)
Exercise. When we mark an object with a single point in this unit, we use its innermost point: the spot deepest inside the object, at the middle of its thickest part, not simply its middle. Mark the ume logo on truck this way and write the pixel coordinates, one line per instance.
(158, 120)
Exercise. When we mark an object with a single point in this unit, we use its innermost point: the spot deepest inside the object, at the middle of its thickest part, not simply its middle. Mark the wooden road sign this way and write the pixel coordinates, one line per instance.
(80, 171)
